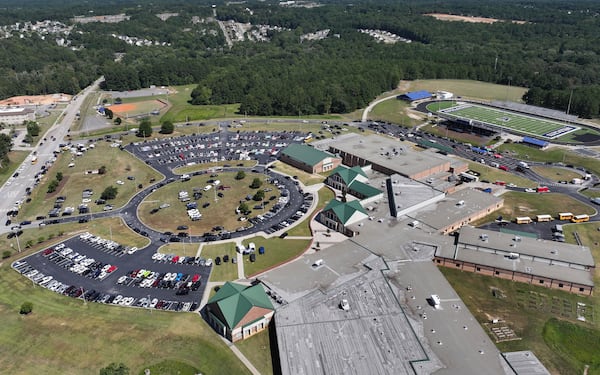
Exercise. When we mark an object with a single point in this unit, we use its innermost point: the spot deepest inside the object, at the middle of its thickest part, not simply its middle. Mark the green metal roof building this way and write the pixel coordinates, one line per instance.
(338, 215)
(239, 311)
(308, 158)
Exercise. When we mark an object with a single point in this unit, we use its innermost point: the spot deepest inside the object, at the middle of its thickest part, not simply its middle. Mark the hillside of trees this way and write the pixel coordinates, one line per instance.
(554, 52)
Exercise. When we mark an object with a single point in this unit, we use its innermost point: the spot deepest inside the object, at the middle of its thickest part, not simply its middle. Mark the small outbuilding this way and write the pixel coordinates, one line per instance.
(415, 95)
(239, 311)
(309, 159)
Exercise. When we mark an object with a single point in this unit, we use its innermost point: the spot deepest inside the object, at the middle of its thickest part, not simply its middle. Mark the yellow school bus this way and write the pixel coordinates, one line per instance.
(565, 216)
(580, 218)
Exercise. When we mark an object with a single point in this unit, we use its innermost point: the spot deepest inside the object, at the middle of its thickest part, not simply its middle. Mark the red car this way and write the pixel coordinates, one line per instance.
(48, 251)
(111, 269)
(175, 259)
(195, 278)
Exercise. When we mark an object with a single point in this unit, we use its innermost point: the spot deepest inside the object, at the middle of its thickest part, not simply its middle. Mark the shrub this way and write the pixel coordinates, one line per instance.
(256, 183)
(6, 254)
(52, 186)
(26, 308)
(240, 175)
(109, 193)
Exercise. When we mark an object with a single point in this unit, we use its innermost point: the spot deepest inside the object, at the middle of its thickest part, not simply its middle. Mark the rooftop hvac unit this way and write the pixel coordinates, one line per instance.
(460, 203)
(513, 256)
(517, 239)
(483, 237)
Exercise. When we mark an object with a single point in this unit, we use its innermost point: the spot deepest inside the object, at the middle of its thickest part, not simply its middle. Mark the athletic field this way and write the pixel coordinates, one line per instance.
(473, 114)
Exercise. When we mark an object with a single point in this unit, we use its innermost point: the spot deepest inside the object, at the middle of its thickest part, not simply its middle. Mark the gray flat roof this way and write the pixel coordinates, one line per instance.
(315, 336)
(527, 246)
(449, 211)
(373, 148)
(528, 266)
(525, 363)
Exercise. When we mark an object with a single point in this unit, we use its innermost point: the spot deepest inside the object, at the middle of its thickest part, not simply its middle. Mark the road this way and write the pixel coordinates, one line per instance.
(14, 189)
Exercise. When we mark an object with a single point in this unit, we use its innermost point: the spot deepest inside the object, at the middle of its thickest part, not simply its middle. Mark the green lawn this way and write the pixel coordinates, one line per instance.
(227, 271)
(15, 159)
(554, 154)
(277, 251)
(394, 111)
(258, 351)
(555, 173)
(39, 237)
(530, 204)
(64, 336)
(495, 174)
(304, 177)
(220, 212)
(591, 193)
(170, 367)
(119, 165)
(521, 307)
(576, 344)
(470, 89)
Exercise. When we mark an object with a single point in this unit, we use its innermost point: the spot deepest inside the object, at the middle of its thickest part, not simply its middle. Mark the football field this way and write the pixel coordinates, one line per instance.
(521, 123)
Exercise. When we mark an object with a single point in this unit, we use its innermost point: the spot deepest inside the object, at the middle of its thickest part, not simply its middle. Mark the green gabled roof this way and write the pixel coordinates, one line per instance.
(306, 154)
(344, 211)
(348, 174)
(366, 190)
(235, 301)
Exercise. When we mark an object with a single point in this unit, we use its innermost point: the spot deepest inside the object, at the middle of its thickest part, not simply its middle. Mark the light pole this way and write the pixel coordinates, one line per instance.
(17, 237)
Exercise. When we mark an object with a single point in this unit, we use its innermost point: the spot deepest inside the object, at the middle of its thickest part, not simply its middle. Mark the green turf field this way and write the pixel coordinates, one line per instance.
(510, 120)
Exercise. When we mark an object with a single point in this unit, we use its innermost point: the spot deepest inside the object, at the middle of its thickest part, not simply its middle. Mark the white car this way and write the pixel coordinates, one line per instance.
(344, 305)
(208, 262)
(530, 190)
(119, 182)
(121, 279)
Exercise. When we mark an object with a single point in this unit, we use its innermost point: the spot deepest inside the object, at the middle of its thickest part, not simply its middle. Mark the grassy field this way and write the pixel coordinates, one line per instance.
(506, 119)
(495, 174)
(531, 204)
(518, 308)
(227, 271)
(15, 159)
(258, 351)
(557, 338)
(555, 173)
(303, 228)
(119, 165)
(470, 89)
(205, 166)
(220, 213)
(394, 111)
(277, 250)
(591, 193)
(554, 154)
(169, 367)
(64, 336)
(304, 177)
(39, 237)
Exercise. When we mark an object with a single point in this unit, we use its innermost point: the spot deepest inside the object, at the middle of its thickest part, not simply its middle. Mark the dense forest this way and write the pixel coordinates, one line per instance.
(553, 51)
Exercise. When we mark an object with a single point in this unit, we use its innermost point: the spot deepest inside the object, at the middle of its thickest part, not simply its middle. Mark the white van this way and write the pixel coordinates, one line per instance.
(318, 263)
(240, 249)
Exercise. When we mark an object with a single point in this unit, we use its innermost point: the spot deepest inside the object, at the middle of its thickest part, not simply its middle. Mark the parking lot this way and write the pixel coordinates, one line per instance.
(215, 147)
(101, 270)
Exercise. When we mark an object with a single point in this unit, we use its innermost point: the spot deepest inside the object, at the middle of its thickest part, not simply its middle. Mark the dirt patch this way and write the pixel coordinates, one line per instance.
(36, 99)
(60, 186)
(121, 108)
(452, 17)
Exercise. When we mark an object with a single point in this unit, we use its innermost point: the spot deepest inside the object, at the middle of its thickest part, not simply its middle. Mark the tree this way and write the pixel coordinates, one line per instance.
(102, 170)
(167, 127)
(108, 113)
(59, 176)
(259, 196)
(26, 308)
(145, 129)
(109, 193)
(118, 121)
(5, 147)
(201, 95)
(118, 100)
(243, 207)
(52, 186)
(33, 128)
(115, 369)
(256, 183)
(240, 175)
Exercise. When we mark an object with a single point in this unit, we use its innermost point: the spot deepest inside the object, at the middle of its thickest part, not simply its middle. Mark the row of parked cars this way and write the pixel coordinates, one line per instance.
(182, 283)
(308, 198)
(109, 246)
(78, 263)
